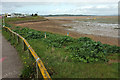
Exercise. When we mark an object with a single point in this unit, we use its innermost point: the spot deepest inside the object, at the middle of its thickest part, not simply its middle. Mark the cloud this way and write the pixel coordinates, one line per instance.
(88, 1)
(98, 9)
(90, 9)
(60, 8)
(0, 7)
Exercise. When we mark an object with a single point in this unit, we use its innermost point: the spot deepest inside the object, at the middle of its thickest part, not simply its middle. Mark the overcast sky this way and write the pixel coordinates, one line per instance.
(86, 7)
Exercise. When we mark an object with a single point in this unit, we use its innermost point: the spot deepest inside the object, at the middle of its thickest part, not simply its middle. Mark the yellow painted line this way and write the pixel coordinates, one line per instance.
(41, 66)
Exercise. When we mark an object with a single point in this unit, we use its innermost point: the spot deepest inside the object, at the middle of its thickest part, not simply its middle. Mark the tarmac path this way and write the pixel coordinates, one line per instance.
(11, 64)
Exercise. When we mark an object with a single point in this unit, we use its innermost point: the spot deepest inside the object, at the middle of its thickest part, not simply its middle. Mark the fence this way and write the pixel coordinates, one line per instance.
(39, 63)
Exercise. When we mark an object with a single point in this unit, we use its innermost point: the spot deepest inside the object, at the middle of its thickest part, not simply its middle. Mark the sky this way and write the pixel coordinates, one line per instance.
(47, 7)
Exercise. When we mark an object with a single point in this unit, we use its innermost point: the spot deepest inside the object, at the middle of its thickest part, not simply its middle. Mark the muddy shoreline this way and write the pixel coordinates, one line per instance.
(55, 26)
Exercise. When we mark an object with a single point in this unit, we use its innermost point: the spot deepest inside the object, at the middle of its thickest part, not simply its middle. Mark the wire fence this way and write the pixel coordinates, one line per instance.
(26, 45)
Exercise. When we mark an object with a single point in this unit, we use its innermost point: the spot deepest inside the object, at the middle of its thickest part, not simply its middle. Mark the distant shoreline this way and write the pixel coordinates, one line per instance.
(72, 15)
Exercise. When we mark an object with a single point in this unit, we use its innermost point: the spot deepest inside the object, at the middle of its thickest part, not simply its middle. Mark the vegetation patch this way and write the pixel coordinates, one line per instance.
(24, 19)
(83, 49)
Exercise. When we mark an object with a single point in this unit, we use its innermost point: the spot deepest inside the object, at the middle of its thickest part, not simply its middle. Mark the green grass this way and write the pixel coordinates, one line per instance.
(111, 20)
(114, 56)
(59, 66)
(24, 19)
(82, 49)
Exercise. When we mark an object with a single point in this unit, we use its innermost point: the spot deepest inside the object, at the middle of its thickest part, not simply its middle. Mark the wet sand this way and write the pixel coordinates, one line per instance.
(105, 33)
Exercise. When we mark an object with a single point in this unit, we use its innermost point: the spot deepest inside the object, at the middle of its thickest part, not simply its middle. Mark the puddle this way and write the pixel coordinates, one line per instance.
(94, 28)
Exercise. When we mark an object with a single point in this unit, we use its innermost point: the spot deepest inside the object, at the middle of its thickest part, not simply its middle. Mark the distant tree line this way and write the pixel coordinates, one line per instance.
(66, 15)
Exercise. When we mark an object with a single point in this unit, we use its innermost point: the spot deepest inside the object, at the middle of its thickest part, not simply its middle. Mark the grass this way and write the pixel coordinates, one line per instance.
(114, 57)
(24, 19)
(59, 66)
(111, 20)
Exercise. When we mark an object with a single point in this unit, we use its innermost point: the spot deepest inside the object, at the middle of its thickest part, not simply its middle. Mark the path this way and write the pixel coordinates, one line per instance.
(11, 64)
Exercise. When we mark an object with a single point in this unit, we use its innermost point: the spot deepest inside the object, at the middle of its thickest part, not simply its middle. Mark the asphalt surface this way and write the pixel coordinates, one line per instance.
(11, 64)
(0, 55)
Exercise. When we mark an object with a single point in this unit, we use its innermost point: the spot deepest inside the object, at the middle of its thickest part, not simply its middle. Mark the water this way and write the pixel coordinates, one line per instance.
(94, 28)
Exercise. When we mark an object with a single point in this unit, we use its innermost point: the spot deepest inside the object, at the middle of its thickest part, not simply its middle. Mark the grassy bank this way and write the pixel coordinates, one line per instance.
(63, 58)
(32, 18)
(60, 65)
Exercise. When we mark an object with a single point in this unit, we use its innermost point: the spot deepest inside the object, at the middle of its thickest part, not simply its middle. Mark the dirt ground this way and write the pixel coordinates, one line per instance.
(80, 17)
(54, 25)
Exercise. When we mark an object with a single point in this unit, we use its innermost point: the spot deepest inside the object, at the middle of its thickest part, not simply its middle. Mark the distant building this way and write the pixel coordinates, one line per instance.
(16, 15)
(8, 16)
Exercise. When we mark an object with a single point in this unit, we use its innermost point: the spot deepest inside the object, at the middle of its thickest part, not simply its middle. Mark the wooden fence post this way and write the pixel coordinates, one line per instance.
(24, 46)
(9, 32)
(5, 29)
(10, 36)
(13, 36)
(18, 39)
(36, 70)
(14, 40)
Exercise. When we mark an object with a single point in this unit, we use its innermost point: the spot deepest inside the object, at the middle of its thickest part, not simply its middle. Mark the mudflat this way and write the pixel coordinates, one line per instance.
(99, 28)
